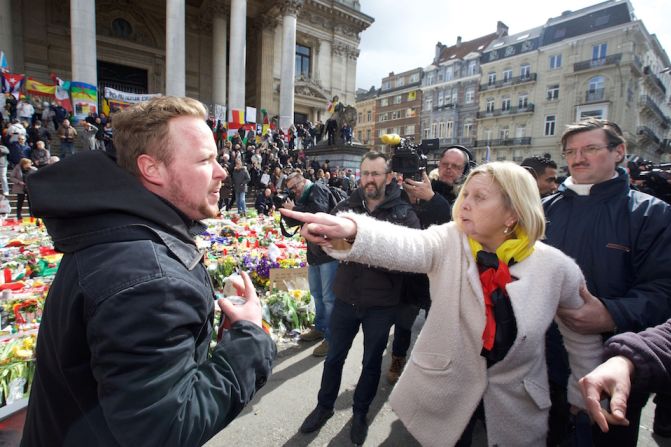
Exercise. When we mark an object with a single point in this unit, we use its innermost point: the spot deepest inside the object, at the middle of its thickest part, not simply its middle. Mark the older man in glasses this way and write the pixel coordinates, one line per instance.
(621, 239)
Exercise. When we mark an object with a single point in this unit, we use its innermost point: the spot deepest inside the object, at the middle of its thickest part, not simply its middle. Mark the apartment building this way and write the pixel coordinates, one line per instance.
(598, 61)
(398, 106)
(450, 91)
(366, 101)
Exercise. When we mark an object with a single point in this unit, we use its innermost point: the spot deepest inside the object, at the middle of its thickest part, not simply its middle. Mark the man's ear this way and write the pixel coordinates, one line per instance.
(151, 170)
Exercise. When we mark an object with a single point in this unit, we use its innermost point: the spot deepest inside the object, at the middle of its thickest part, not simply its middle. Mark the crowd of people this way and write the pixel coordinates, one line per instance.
(523, 279)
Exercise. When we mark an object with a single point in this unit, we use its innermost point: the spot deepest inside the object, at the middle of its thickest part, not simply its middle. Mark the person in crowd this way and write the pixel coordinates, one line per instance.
(4, 163)
(315, 197)
(15, 130)
(19, 175)
(331, 129)
(40, 155)
(346, 133)
(18, 150)
(123, 346)
(544, 170)
(39, 133)
(88, 135)
(365, 296)
(264, 202)
(25, 110)
(481, 348)
(5, 207)
(67, 135)
(621, 239)
(640, 359)
(240, 178)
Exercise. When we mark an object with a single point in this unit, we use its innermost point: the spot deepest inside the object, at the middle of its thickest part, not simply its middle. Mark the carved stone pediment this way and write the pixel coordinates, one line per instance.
(309, 88)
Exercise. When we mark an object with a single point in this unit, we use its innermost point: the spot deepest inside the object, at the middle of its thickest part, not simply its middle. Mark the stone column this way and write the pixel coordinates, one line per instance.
(83, 41)
(238, 55)
(175, 54)
(265, 64)
(219, 41)
(290, 10)
(6, 40)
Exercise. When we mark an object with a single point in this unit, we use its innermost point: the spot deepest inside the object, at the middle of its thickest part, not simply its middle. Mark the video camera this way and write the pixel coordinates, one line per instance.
(409, 159)
(651, 178)
(280, 198)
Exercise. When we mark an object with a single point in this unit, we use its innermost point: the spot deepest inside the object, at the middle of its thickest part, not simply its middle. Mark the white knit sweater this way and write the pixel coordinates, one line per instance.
(446, 377)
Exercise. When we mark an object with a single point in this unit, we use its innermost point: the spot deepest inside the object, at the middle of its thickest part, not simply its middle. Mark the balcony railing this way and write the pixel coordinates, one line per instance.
(529, 108)
(613, 59)
(654, 80)
(648, 133)
(595, 95)
(531, 77)
(647, 101)
(446, 105)
(522, 141)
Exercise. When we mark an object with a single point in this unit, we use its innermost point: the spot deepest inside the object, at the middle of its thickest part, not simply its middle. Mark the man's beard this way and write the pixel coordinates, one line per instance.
(375, 194)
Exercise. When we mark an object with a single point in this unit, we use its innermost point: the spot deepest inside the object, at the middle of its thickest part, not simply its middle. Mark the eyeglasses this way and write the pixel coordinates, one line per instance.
(586, 151)
(372, 174)
(452, 166)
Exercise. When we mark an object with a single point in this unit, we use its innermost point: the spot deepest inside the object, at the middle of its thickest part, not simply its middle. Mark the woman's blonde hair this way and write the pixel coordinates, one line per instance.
(143, 129)
(520, 194)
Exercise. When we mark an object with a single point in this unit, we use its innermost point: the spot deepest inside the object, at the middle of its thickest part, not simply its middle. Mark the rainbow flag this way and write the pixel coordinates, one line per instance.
(83, 92)
(38, 88)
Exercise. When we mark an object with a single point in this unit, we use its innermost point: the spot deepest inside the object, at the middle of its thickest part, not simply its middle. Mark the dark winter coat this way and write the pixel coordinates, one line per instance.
(122, 352)
(650, 351)
(362, 285)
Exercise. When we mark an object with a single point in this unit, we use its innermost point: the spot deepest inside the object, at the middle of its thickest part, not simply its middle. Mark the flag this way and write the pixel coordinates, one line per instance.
(56, 79)
(13, 83)
(83, 91)
(412, 96)
(264, 117)
(38, 88)
(4, 66)
(250, 115)
(488, 154)
(331, 106)
(63, 98)
(237, 119)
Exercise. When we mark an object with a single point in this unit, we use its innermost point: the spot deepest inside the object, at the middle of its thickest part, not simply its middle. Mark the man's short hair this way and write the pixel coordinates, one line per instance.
(374, 155)
(294, 173)
(612, 130)
(538, 165)
(143, 129)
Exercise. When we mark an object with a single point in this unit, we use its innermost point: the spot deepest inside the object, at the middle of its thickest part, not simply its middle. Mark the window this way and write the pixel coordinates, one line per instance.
(386, 85)
(468, 130)
(507, 75)
(599, 53)
(359, 135)
(429, 103)
(370, 115)
(491, 78)
(470, 95)
(555, 61)
(455, 95)
(367, 135)
(595, 88)
(429, 79)
(427, 132)
(520, 131)
(490, 105)
(550, 123)
(384, 102)
(394, 115)
(441, 130)
(472, 66)
(505, 104)
(449, 73)
(303, 56)
(488, 135)
(414, 78)
(410, 130)
(440, 99)
(525, 71)
(504, 133)
(553, 92)
(360, 117)
(383, 117)
(380, 132)
(440, 76)
(449, 129)
(434, 130)
(400, 82)
(523, 101)
(398, 99)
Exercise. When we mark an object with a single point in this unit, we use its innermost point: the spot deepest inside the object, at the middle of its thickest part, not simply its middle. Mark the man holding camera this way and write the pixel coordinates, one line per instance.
(314, 198)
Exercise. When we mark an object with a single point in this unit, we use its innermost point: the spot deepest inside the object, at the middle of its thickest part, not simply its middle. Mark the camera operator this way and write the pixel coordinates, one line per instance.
(314, 198)
(432, 202)
(435, 197)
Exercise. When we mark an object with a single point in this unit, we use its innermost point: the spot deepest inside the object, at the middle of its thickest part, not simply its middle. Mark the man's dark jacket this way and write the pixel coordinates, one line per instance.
(362, 285)
(122, 352)
(437, 210)
(621, 239)
(316, 198)
(650, 351)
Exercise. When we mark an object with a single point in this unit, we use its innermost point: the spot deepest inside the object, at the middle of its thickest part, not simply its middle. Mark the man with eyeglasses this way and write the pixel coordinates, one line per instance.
(366, 297)
(315, 197)
(621, 239)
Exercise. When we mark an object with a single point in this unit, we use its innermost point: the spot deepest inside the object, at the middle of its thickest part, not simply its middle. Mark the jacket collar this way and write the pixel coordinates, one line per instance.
(615, 186)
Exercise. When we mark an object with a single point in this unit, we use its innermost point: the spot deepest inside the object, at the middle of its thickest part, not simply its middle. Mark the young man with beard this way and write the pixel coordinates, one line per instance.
(123, 352)
(544, 171)
(366, 297)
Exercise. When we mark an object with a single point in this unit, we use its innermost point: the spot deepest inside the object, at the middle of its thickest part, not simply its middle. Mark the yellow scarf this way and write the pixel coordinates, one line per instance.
(517, 248)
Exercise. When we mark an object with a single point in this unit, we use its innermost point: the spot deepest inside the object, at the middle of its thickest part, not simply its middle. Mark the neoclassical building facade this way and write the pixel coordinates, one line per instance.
(289, 57)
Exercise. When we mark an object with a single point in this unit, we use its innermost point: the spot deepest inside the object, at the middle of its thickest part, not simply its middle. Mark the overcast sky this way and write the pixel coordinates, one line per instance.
(405, 33)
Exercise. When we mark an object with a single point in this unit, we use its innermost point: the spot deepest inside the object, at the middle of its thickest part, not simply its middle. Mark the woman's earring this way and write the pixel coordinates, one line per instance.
(506, 230)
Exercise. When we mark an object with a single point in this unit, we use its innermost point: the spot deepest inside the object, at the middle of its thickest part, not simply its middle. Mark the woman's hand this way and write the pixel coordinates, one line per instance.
(322, 228)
